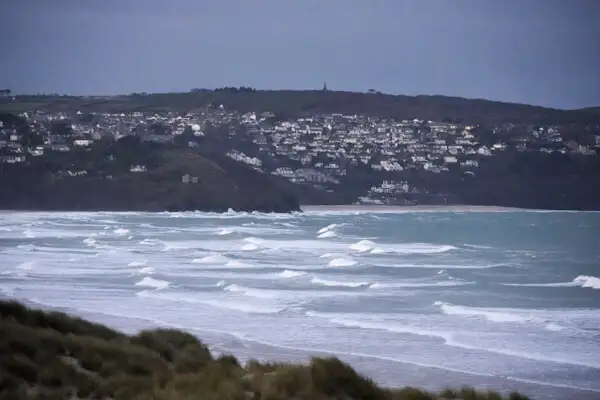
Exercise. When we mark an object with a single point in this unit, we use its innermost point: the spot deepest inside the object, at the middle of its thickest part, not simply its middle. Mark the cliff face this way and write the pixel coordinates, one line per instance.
(183, 182)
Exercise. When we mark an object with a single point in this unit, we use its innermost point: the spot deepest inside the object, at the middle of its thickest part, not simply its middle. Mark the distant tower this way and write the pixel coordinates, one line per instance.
(324, 86)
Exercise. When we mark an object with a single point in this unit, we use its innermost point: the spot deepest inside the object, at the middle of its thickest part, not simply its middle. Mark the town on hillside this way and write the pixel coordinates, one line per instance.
(392, 160)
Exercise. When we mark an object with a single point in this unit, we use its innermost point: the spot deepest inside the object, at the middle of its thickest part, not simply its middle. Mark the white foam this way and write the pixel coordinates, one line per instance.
(438, 266)
(332, 283)
(254, 240)
(405, 248)
(121, 231)
(28, 234)
(224, 232)
(137, 264)
(290, 274)
(489, 314)
(588, 281)
(249, 247)
(153, 283)
(583, 281)
(327, 228)
(146, 270)
(89, 241)
(26, 266)
(362, 245)
(379, 324)
(211, 259)
(327, 255)
(221, 283)
(242, 307)
(235, 264)
(258, 293)
(342, 262)
(399, 285)
(222, 304)
(150, 242)
(327, 234)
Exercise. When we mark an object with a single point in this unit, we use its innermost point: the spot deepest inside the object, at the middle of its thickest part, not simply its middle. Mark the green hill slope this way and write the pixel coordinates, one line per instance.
(299, 102)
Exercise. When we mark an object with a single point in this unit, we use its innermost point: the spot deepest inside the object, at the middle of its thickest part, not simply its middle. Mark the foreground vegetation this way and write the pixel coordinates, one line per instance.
(51, 355)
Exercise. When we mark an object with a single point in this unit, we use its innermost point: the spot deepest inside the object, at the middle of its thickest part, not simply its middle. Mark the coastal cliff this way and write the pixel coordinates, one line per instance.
(177, 181)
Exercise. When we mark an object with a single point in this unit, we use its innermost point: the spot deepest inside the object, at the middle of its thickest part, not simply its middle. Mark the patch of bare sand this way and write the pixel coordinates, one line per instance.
(407, 209)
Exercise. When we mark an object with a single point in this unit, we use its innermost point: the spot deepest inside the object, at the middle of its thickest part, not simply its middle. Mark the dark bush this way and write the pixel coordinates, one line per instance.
(54, 356)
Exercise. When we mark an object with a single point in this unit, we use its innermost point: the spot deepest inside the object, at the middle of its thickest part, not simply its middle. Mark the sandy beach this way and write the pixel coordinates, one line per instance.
(403, 209)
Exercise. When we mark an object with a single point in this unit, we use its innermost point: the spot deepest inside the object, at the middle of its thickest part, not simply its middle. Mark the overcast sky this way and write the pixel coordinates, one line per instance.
(544, 52)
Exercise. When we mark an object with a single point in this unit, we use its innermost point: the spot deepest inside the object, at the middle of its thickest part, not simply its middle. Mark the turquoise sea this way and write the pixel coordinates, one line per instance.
(509, 300)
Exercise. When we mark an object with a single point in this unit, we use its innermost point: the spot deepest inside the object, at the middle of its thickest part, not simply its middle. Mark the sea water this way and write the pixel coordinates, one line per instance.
(504, 300)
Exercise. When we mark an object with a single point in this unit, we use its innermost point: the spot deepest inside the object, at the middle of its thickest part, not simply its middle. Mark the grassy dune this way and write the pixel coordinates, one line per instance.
(51, 355)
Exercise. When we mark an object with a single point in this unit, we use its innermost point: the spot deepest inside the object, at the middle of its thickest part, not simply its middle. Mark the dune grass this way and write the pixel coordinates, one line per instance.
(51, 355)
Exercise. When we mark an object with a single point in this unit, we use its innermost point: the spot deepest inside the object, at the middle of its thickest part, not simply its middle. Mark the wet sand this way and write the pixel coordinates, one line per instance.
(404, 209)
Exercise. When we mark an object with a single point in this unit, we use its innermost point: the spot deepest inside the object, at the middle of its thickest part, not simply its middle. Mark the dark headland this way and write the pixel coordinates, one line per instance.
(270, 151)
(51, 355)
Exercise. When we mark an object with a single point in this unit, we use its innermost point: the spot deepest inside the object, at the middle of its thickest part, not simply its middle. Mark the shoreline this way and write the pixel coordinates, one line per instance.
(388, 373)
(422, 208)
(325, 208)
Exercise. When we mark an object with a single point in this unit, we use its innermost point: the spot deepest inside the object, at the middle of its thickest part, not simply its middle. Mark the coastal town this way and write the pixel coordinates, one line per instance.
(317, 150)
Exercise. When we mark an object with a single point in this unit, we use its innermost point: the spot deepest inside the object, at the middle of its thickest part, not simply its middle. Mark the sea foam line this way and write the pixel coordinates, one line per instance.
(583, 281)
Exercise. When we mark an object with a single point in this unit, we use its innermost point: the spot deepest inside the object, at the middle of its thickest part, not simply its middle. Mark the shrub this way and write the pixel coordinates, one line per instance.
(332, 377)
(51, 355)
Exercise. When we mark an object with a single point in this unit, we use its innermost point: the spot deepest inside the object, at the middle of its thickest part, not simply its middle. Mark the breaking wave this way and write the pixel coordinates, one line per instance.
(583, 281)
(342, 262)
(331, 283)
(153, 283)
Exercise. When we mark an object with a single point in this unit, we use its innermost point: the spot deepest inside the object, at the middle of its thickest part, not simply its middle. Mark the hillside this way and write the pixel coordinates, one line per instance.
(50, 355)
(301, 102)
(213, 186)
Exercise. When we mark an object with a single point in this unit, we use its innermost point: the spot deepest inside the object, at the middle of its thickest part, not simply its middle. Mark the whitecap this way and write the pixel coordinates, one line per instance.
(224, 232)
(583, 281)
(121, 231)
(362, 246)
(399, 285)
(327, 255)
(327, 228)
(153, 283)
(137, 264)
(405, 248)
(211, 259)
(249, 247)
(150, 241)
(342, 262)
(588, 281)
(290, 274)
(327, 234)
(489, 314)
(146, 270)
(258, 293)
(253, 240)
(28, 234)
(26, 266)
(222, 304)
(235, 264)
(331, 283)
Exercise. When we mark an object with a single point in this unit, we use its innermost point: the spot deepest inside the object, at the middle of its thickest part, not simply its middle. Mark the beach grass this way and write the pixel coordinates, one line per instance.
(52, 355)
